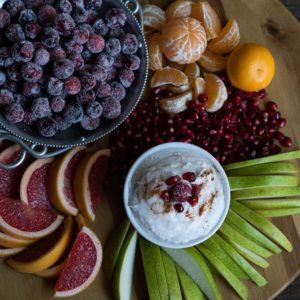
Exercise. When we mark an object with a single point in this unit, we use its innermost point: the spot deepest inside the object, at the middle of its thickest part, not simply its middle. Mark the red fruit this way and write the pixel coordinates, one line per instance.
(180, 192)
(165, 195)
(287, 142)
(172, 180)
(189, 176)
(193, 200)
(179, 207)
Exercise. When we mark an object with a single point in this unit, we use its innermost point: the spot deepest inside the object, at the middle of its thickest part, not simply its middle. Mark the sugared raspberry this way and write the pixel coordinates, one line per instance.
(27, 15)
(55, 86)
(88, 81)
(31, 89)
(79, 15)
(111, 108)
(72, 85)
(118, 91)
(14, 113)
(116, 18)
(100, 27)
(57, 104)
(47, 15)
(32, 30)
(132, 62)
(64, 6)
(103, 90)
(73, 112)
(22, 51)
(119, 61)
(31, 72)
(50, 37)
(100, 73)
(63, 68)
(14, 33)
(41, 57)
(6, 97)
(57, 53)
(104, 60)
(81, 34)
(4, 18)
(40, 107)
(113, 46)
(73, 47)
(126, 77)
(94, 109)
(77, 61)
(87, 55)
(61, 122)
(13, 7)
(88, 123)
(86, 96)
(95, 43)
(2, 78)
(129, 43)
(47, 127)
(180, 192)
(112, 74)
(29, 119)
(64, 24)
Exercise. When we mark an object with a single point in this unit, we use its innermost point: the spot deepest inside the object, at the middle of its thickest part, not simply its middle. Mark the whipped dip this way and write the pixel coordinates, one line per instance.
(160, 216)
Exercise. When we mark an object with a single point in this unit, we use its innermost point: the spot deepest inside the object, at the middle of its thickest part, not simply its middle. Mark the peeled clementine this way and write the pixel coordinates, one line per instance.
(155, 51)
(179, 8)
(183, 40)
(251, 67)
(192, 70)
(212, 62)
(168, 76)
(154, 17)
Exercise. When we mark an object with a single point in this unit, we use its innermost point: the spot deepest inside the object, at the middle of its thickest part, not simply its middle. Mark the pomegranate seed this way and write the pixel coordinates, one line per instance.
(202, 98)
(281, 123)
(272, 106)
(172, 180)
(279, 136)
(261, 94)
(189, 176)
(179, 207)
(287, 142)
(275, 149)
(196, 189)
(193, 201)
(165, 196)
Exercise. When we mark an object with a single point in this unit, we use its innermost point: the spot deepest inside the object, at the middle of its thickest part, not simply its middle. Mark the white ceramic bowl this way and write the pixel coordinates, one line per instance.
(150, 158)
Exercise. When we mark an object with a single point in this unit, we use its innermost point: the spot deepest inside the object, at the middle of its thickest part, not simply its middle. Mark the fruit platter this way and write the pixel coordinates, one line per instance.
(186, 187)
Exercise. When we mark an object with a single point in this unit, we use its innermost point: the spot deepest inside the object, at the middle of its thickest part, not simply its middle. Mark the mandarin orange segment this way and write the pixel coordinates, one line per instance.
(183, 40)
(215, 91)
(199, 87)
(179, 8)
(227, 40)
(176, 104)
(168, 76)
(203, 12)
(154, 17)
(179, 89)
(155, 52)
(192, 70)
(212, 62)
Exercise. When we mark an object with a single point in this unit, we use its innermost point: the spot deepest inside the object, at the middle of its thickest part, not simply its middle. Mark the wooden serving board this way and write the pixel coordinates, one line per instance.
(264, 21)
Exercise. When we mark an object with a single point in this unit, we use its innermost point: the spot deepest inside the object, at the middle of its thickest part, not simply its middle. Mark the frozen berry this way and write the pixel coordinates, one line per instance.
(118, 91)
(33, 3)
(63, 68)
(31, 72)
(61, 122)
(47, 15)
(40, 107)
(119, 61)
(57, 53)
(88, 81)
(2, 78)
(50, 37)
(88, 123)
(12, 86)
(126, 77)
(111, 108)
(64, 24)
(13, 7)
(87, 55)
(100, 27)
(22, 51)
(6, 97)
(112, 74)
(41, 57)
(73, 112)
(116, 33)
(99, 72)
(32, 30)
(81, 34)
(57, 104)
(113, 46)
(129, 43)
(64, 6)
(27, 15)
(86, 96)
(4, 18)
(14, 113)
(15, 33)
(55, 86)
(102, 90)
(104, 60)
(29, 119)
(94, 109)
(72, 85)
(115, 18)
(180, 192)
(77, 61)
(14, 73)
(31, 89)
(96, 43)
(79, 15)
(73, 47)
(132, 62)
(47, 127)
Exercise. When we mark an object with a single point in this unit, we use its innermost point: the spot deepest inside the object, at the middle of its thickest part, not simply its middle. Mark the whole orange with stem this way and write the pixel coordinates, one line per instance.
(183, 40)
(251, 67)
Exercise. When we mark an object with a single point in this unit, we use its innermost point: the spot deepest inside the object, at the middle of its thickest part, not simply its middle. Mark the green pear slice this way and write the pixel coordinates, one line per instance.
(272, 158)
(190, 290)
(225, 258)
(154, 270)
(231, 233)
(253, 274)
(261, 193)
(275, 213)
(172, 277)
(122, 279)
(265, 169)
(262, 224)
(247, 182)
(194, 264)
(272, 204)
(251, 232)
(113, 247)
(235, 283)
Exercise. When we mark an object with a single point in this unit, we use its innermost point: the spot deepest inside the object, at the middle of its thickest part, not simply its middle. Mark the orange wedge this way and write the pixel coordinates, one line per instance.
(179, 89)
(155, 52)
(215, 91)
(179, 8)
(212, 62)
(176, 104)
(227, 40)
(203, 12)
(4, 252)
(154, 17)
(192, 70)
(12, 242)
(199, 87)
(168, 76)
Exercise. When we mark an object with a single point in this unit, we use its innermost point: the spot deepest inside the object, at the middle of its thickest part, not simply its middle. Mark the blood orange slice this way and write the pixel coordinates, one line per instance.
(12, 242)
(9, 251)
(62, 175)
(22, 221)
(45, 252)
(33, 187)
(89, 180)
(10, 179)
(82, 266)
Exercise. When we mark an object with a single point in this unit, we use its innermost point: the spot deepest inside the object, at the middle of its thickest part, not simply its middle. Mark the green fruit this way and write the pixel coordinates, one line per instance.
(247, 182)
(194, 264)
(225, 258)
(251, 232)
(122, 279)
(235, 283)
(255, 276)
(265, 169)
(154, 271)
(189, 288)
(263, 224)
(172, 277)
(261, 193)
(273, 158)
(275, 213)
(272, 204)
(113, 247)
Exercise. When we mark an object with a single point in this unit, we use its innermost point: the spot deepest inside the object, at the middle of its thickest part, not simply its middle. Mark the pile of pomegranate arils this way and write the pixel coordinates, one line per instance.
(247, 126)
